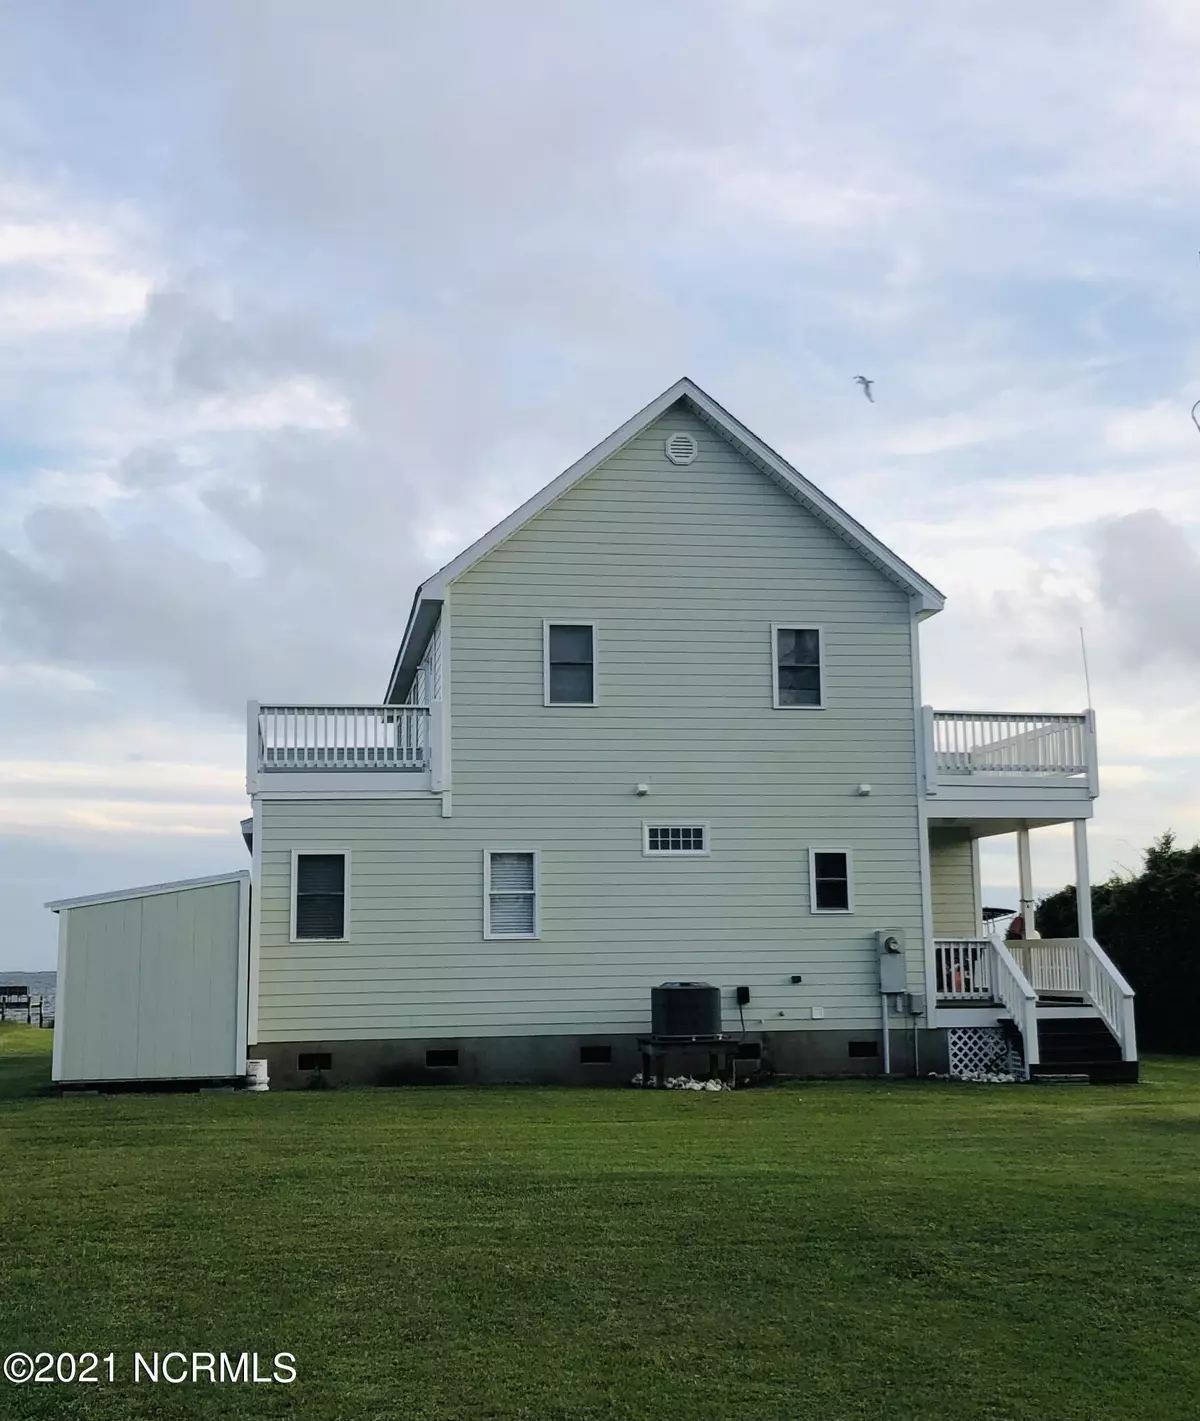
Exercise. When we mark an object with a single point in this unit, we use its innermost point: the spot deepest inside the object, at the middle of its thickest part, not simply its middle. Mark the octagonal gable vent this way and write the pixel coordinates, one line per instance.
(681, 448)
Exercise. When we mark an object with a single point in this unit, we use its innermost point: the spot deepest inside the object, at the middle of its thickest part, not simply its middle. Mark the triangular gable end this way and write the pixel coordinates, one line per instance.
(432, 592)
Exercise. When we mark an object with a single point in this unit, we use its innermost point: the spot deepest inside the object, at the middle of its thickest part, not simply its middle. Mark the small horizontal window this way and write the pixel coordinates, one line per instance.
(676, 839)
(798, 667)
(314, 1061)
(829, 875)
(864, 1048)
(319, 896)
(441, 1058)
(510, 898)
(595, 1055)
(570, 670)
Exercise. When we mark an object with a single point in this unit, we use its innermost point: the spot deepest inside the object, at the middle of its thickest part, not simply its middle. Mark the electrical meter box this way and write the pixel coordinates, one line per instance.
(893, 976)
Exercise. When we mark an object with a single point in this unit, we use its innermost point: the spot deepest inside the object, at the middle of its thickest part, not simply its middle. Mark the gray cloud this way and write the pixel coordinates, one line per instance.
(1149, 575)
(409, 261)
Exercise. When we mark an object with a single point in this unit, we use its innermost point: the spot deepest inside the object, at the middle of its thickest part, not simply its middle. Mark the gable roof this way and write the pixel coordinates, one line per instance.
(430, 595)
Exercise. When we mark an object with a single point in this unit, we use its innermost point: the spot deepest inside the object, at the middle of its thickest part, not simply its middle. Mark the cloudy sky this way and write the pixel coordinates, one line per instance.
(297, 298)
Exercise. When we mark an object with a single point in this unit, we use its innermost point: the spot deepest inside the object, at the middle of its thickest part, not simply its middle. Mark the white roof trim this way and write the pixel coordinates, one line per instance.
(927, 597)
(149, 891)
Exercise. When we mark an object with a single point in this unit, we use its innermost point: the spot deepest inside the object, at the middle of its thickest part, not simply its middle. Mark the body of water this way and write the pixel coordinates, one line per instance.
(40, 984)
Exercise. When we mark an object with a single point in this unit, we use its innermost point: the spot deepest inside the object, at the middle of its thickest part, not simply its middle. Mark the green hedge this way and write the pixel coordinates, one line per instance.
(1149, 924)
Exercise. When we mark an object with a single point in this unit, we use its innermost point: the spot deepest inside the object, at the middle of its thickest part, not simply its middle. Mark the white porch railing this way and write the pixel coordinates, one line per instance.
(1051, 964)
(342, 738)
(963, 969)
(1010, 743)
(1013, 988)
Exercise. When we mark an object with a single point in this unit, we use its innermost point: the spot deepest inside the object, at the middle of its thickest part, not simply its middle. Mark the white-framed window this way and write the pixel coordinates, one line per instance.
(675, 840)
(831, 880)
(797, 667)
(320, 895)
(569, 663)
(511, 893)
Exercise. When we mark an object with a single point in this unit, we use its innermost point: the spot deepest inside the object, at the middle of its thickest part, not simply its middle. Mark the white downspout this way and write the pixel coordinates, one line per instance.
(887, 1045)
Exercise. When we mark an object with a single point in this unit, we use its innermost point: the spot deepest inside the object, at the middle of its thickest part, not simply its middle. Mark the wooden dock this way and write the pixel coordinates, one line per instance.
(16, 1001)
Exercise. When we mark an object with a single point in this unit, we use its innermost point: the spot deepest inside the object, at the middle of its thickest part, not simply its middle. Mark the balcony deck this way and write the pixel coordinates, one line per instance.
(336, 749)
(1009, 766)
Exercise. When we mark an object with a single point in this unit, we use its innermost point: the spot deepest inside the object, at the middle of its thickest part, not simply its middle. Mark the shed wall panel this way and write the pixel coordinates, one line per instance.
(151, 987)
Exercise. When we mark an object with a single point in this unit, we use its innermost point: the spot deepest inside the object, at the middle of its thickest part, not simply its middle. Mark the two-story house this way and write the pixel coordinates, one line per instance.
(664, 723)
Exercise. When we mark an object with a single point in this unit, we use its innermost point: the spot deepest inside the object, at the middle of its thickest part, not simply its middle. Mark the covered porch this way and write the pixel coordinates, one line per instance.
(1010, 773)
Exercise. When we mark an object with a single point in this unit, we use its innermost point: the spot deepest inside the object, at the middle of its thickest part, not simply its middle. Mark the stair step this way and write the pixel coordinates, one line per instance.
(1080, 1048)
(1082, 1072)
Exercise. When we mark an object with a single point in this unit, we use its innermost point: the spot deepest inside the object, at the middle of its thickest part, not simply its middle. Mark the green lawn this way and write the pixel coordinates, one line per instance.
(824, 1251)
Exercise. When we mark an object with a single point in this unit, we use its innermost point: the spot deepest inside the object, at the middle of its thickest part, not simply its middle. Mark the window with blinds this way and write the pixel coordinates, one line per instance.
(829, 875)
(510, 893)
(674, 839)
(798, 667)
(319, 901)
(570, 672)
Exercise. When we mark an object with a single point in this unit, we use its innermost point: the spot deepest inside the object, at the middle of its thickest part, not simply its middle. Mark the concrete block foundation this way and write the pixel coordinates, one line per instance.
(584, 1060)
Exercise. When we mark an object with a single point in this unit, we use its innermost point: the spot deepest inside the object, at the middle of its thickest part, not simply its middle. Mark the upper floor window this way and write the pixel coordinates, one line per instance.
(570, 663)
(798, 667)
(319, 895)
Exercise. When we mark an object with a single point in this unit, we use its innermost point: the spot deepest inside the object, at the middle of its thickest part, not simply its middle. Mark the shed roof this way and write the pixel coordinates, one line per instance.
(149, 891)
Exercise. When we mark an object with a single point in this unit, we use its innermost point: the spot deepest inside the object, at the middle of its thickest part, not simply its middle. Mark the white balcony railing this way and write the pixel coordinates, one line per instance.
(963, 969)
(1010, 744)
(341, 738)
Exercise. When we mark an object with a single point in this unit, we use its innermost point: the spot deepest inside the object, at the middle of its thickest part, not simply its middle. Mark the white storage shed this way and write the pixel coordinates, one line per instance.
(153, 983)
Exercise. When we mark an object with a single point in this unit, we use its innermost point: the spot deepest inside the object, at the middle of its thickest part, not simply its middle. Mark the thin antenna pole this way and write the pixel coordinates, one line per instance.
(1087, 680)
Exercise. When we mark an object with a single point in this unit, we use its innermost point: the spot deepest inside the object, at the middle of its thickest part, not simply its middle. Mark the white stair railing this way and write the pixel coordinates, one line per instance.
(1014, 989)
(962, 968)
(1109, 993)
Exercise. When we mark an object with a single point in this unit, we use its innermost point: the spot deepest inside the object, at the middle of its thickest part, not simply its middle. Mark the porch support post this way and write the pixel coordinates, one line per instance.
(1025, 870)
(1083, 881)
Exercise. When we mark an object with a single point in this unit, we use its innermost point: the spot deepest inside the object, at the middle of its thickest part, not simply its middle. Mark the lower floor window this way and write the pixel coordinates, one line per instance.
(319, 896)
(829, 877)
(675, 838)
(510, 893)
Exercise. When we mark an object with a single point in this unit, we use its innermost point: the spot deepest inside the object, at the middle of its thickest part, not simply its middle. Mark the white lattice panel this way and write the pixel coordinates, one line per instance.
(980, 1048)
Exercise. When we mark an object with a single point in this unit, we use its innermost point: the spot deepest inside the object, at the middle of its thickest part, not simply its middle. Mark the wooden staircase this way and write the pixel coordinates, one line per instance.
(1080, 1046)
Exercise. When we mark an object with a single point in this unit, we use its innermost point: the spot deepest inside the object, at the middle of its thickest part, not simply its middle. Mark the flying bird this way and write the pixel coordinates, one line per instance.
(866, 386)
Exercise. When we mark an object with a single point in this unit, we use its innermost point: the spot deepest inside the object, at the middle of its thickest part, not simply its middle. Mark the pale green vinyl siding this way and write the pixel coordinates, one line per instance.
(150, 987)
(683, 569)
(954, 884)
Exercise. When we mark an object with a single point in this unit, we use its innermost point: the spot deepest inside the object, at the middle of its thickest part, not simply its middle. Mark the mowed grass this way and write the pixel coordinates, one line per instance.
(829, 1250)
